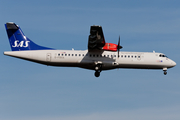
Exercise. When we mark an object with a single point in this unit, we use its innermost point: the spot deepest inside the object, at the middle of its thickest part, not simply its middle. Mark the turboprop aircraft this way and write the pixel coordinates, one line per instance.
(98, 57)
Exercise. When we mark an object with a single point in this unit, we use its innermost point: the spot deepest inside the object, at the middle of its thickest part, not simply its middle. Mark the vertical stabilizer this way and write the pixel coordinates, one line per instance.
(18, 41)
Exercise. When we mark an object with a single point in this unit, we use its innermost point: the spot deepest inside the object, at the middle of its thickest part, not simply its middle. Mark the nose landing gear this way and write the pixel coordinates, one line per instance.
(165, 71)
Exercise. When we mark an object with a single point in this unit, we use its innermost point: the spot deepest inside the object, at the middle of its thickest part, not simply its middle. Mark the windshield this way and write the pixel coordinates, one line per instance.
(162, 55)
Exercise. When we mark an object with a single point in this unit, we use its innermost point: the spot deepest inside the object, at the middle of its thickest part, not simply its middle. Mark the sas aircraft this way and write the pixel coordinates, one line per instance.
(99, 56)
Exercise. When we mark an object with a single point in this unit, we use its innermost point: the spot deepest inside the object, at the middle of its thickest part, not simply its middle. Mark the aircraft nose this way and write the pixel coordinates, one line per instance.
(173, 63)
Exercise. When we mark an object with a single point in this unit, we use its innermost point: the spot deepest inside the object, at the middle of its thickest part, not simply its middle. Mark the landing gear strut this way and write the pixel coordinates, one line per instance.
(97, 70)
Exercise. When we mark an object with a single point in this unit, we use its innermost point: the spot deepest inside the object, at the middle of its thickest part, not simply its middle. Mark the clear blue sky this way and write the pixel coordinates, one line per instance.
(30, 91)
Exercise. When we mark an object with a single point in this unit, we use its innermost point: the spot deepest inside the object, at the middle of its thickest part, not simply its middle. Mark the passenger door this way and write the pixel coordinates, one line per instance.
(48, 57)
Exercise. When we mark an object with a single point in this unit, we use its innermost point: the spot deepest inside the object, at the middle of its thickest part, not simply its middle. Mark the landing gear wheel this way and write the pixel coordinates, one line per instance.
(97, 74)
(165, 72)
(98, 69)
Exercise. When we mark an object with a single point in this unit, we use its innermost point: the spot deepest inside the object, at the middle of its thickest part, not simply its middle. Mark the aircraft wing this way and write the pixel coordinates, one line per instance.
(96, 39)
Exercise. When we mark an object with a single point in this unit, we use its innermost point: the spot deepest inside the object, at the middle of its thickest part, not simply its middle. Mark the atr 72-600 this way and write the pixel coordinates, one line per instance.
(98, 57)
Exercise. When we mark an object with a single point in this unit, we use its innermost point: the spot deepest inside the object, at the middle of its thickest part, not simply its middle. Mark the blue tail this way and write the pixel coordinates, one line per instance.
(19, 41)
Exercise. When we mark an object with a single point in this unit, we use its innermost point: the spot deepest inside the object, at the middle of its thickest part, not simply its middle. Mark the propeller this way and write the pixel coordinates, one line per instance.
(119, 46)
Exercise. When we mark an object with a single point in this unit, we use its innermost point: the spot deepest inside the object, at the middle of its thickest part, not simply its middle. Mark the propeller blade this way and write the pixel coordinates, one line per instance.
(119, 41)
(119, 46)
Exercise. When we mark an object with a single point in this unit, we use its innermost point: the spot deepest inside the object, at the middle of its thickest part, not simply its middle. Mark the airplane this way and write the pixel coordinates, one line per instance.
(99, 56)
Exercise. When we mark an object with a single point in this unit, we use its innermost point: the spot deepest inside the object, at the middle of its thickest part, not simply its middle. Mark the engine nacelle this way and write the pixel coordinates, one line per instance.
(110, 47)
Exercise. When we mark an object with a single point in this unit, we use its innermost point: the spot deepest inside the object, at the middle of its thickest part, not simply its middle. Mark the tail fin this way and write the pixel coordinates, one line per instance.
(18, 41)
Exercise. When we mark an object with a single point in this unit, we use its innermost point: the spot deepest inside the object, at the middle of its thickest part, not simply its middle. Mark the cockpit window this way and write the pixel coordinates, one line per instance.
(161, 55)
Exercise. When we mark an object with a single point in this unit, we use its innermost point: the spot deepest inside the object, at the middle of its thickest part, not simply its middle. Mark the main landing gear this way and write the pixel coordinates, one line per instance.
(98, 70)
(97, 73)
(165, 71)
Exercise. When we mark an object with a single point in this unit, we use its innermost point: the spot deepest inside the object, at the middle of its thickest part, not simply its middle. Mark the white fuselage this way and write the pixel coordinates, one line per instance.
(88, 60)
